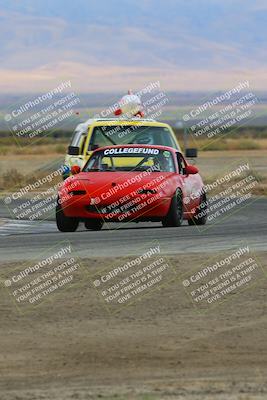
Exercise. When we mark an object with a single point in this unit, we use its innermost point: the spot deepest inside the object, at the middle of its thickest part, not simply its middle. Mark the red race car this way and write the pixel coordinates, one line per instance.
(132, 183)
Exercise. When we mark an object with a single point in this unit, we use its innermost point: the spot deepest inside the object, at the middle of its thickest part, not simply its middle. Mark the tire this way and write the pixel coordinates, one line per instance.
(201, 209)
(94, 224)
(174, 218)
(65, 224)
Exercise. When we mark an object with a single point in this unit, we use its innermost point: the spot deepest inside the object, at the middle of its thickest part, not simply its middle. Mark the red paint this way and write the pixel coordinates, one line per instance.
(101, 185)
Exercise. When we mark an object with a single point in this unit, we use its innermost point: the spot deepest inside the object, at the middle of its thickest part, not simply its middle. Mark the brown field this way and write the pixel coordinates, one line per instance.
(160, 347)
(210, 163)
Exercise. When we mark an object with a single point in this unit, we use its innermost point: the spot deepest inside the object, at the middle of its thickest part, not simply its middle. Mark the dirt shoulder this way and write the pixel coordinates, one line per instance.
(160, 347)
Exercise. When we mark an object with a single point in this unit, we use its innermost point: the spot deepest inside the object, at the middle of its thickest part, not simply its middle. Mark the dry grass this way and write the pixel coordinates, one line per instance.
(230, 144)
(59, 148)
(201, 144)
(246, 139)
(12, 179)
(259, 190)
(18, 165)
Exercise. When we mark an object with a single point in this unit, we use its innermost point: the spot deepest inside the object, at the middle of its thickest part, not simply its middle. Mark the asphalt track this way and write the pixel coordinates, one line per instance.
(26, 240)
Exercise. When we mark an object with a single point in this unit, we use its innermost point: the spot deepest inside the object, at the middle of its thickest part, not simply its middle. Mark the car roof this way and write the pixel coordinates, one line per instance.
(120, 119)
(83, 126)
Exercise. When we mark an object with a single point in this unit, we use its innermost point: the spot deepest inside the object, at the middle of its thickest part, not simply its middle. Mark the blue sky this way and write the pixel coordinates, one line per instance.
(109, 44)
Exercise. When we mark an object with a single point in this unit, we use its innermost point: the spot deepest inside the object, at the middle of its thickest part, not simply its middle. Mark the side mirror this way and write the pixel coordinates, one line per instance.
(190, 170)
(191, 153)
(75, 169)
(73, 150)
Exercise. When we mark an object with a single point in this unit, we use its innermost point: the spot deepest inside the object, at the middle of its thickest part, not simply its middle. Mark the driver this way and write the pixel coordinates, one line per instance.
(164, 162)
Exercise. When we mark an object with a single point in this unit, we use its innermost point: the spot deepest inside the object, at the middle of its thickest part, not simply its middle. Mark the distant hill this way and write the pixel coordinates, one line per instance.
(94, 41)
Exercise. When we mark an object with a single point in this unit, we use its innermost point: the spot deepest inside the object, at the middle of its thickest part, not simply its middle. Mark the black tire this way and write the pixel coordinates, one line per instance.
(94, 224)
(174, 217)
(200, 217)
(65, 224)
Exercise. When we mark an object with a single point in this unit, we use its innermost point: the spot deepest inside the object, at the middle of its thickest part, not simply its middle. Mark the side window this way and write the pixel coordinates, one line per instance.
(181, 163)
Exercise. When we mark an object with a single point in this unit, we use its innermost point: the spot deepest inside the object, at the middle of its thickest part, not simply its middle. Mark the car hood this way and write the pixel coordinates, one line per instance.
(113, 185)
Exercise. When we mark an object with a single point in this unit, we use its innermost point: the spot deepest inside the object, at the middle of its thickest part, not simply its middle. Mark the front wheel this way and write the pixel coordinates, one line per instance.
(64, 223)
(94, 224)
(175, 213)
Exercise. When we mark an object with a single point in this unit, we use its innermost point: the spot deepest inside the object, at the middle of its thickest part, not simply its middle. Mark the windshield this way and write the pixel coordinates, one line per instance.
(131, 159)
(131, 134)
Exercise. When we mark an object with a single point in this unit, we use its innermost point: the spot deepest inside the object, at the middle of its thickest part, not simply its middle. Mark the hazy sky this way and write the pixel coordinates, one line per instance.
(107, 45)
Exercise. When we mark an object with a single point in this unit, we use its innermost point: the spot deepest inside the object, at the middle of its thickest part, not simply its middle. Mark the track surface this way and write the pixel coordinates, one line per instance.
(22, 240)
(159, 345)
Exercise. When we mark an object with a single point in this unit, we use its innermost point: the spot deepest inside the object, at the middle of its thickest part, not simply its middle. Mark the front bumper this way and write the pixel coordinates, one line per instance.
(152, 206)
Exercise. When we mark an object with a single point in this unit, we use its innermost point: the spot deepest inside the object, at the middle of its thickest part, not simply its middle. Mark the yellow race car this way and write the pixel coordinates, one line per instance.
(95, 133)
